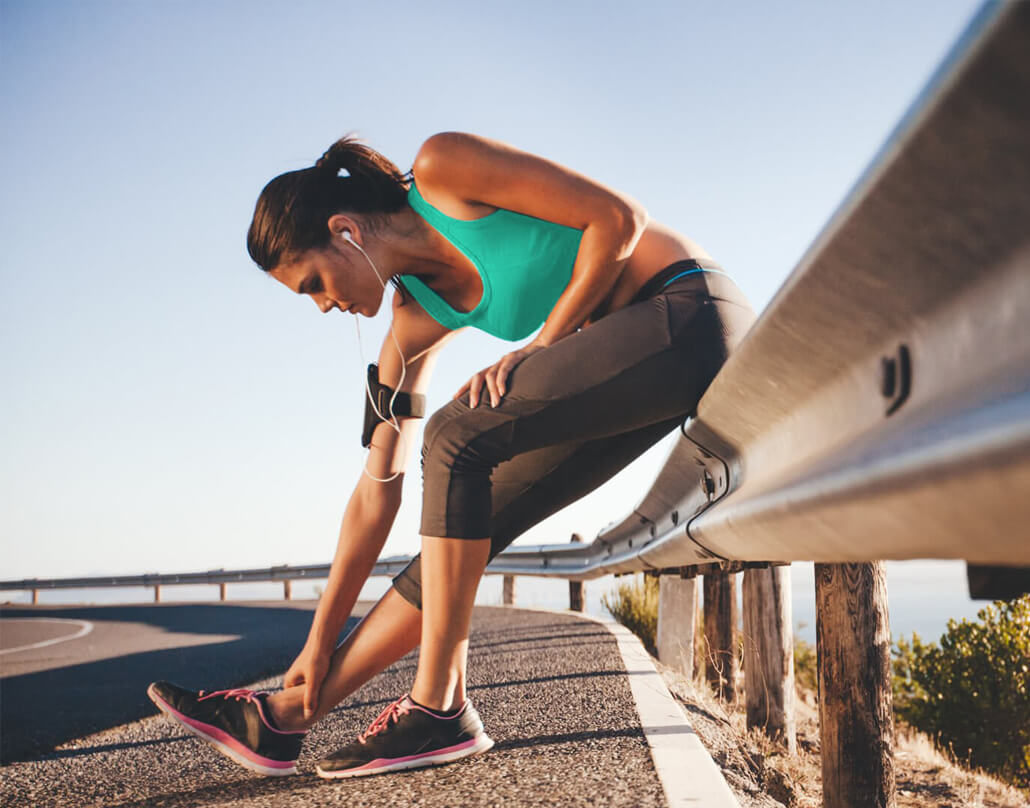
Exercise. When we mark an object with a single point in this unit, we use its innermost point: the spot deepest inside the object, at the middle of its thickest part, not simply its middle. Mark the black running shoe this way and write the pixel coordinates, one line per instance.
(408, 736)
(235, 723)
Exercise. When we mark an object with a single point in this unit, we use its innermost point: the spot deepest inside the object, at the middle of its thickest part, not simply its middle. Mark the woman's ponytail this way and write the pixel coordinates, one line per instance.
(293, 209)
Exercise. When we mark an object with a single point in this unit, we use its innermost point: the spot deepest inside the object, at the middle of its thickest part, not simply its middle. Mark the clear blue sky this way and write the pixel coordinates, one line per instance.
(168, 407)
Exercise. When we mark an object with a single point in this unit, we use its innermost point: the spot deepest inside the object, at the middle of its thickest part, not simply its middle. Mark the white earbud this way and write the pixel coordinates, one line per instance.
(392, 420)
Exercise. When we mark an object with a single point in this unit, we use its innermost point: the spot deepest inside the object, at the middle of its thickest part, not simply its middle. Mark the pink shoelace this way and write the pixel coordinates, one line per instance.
(391, 713)
(232, 693)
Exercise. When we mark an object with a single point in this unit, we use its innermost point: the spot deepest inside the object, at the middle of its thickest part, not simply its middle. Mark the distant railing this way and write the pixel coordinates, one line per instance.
(285, 573)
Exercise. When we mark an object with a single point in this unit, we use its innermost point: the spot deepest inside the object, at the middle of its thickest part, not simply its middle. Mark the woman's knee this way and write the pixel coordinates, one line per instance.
(461, 439)
(408, 582)
(441, 421)
(437, 421)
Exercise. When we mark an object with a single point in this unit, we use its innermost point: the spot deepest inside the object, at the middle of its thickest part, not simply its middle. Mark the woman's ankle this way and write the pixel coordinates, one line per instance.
(443, 701)
(287, 711)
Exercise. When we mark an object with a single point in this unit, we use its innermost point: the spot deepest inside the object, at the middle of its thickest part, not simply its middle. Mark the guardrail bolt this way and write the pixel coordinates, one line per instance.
(896, 378)
(708, 484)
(888, 376)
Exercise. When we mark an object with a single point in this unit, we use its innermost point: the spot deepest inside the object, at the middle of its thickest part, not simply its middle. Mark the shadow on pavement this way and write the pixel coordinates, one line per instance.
(41, 710)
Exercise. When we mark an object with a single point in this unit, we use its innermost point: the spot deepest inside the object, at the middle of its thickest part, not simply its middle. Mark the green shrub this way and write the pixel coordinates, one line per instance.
(635, 605)
(972, 693)
(806, 671)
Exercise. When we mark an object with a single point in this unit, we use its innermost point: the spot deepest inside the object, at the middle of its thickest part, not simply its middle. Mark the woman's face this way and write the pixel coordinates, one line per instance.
(335, 277)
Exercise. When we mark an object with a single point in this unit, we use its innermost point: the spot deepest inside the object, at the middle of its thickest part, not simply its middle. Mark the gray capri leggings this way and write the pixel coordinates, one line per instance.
(576, 412)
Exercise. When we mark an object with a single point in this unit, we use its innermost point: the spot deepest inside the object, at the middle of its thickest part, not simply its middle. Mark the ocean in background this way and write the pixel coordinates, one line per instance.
(922, 595)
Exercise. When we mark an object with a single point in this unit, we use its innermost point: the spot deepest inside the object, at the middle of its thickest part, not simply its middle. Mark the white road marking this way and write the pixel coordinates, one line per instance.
(85, 628)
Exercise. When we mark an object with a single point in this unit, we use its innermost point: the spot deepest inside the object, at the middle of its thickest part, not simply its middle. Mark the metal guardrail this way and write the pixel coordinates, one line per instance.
(879, 408)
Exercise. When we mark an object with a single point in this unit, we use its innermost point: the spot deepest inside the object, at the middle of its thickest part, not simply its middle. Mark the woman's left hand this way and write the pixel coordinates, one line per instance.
(496, 376)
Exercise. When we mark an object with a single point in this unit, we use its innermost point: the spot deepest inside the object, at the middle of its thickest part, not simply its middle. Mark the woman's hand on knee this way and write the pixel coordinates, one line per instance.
(495, 376)
(309, 669)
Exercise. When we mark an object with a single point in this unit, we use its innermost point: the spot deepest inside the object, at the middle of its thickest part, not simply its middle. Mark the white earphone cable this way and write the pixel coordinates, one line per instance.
(392, 420)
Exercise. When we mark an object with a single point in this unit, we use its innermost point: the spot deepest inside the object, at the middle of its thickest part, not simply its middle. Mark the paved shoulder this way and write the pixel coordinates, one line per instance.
(552, 690)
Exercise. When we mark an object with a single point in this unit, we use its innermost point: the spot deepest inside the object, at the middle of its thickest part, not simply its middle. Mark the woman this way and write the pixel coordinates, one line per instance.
(636, 321)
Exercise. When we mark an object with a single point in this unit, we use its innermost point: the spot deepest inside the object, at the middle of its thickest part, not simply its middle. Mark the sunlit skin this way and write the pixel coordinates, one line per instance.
(339, 277)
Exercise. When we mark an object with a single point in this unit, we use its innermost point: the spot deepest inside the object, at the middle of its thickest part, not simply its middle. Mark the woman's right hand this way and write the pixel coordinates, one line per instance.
(309, 669)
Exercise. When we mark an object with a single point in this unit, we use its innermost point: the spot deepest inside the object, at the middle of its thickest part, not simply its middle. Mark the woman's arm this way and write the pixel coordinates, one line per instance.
(373, 506)
(476, 169)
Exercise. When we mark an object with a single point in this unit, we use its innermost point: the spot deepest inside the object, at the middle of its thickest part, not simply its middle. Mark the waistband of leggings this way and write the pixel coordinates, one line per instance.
(700, 274)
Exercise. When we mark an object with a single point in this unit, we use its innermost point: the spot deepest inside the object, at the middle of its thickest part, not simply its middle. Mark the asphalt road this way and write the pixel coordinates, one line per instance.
(78, 730)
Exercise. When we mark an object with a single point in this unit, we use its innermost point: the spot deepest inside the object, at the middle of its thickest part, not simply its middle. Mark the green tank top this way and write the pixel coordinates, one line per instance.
(525, 264)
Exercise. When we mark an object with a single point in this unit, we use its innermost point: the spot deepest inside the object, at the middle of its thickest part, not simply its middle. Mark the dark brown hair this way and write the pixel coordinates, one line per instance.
(293, 209)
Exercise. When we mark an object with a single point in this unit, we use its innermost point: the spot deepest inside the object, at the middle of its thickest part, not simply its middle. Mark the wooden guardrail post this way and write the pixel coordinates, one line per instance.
(576, 596)
(157, 593)
(720, 621)
(35, 597)
(509, 590)
(287, 590)
(677, 619)
(576, 587)
(222, 587)
(769, 653)
(856, 717)
(700, 642)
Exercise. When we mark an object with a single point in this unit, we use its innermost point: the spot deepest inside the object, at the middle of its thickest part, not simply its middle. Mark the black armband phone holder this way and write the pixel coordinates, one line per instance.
(410, 404)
